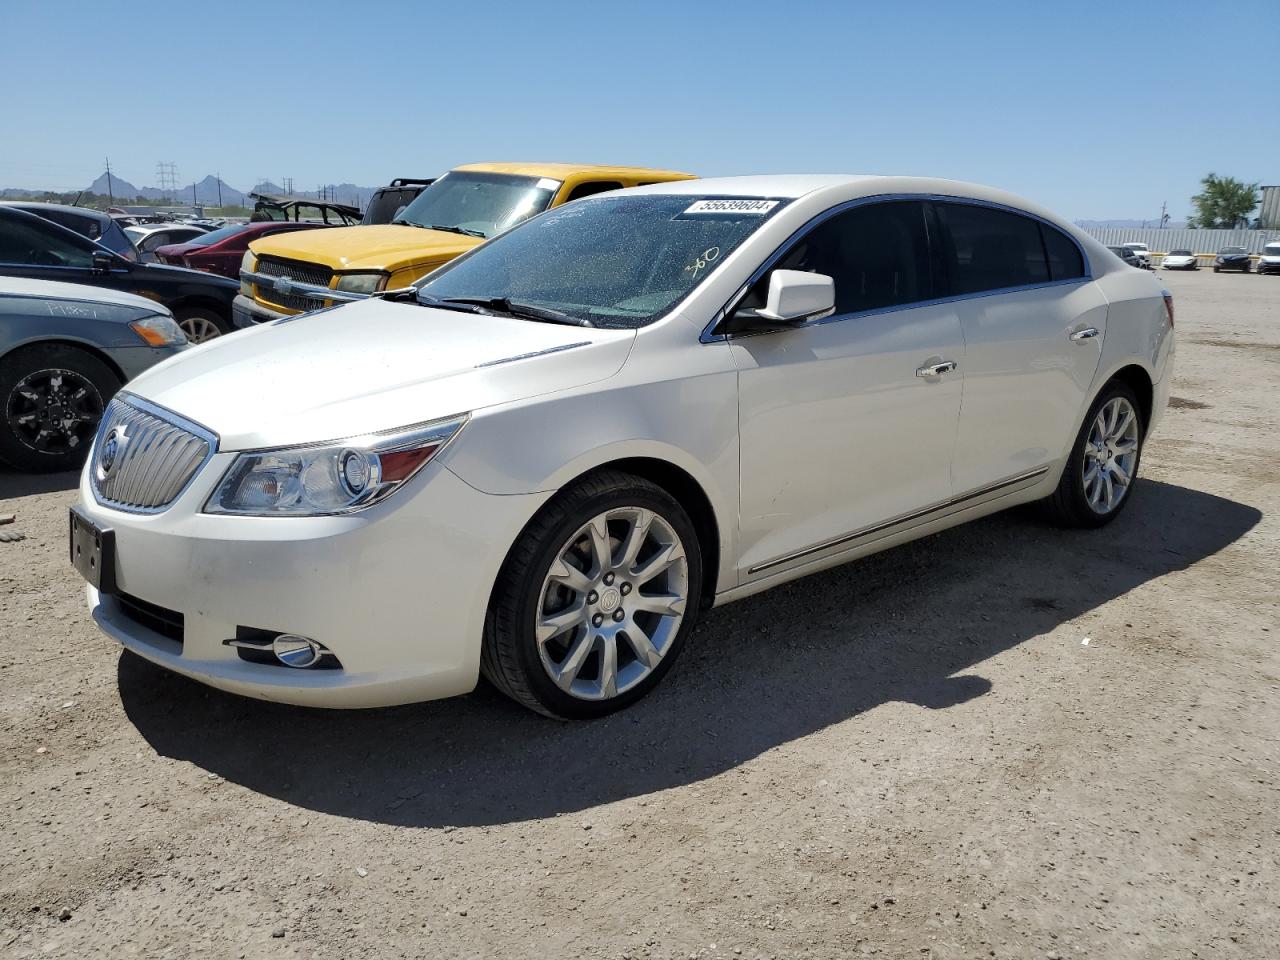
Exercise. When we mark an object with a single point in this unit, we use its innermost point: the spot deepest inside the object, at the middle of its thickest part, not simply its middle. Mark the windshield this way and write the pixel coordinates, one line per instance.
(611, 262)
(1233, 250)
(1180, 253)
(484, 204)
(1272, 250)
(215, 236)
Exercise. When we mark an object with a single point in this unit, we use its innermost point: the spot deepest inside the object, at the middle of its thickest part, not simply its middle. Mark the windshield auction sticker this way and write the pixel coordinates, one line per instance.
(754, 208)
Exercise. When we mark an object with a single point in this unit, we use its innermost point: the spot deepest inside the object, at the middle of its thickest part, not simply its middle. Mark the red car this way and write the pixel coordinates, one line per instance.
(220, 251)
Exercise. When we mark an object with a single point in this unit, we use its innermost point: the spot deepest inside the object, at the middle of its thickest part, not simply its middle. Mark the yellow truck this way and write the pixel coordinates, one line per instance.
(292, 273)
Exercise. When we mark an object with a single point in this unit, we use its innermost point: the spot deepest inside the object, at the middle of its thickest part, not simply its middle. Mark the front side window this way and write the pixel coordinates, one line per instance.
(610, 261)
(991, 249)
(31, 245)
(479, 204)
(877, 255)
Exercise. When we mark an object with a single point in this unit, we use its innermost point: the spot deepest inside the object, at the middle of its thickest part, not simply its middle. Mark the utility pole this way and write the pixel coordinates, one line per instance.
(219, 176)
(1164, 215)
(111, 193)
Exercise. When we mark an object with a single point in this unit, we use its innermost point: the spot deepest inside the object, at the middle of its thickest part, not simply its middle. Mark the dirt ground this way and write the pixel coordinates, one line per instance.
(1005, 741)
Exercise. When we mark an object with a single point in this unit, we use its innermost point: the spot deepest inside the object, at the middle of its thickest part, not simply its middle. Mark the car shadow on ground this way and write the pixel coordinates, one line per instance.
(899, 626)
(16, 485)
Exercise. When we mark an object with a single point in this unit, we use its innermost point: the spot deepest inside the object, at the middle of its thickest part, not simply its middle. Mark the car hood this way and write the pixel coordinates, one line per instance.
(387, 247)
(180, 249)
(80, 292)
(370, 366)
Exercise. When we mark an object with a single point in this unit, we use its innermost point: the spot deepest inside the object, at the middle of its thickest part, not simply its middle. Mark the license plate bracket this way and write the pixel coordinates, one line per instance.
(93, 552)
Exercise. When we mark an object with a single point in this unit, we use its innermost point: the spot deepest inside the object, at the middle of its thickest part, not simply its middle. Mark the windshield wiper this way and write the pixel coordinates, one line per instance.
(450, 303)
(462, 230)
(410, 223)
(525, 311)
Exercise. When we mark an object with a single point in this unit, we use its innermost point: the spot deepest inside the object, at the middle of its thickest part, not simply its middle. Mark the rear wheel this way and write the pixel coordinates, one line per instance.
(1098, 479)
(53, 397)
(595, 600)
(200, 324)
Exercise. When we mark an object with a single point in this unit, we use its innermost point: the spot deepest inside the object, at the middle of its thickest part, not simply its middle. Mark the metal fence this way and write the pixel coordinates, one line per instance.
(1203, 243)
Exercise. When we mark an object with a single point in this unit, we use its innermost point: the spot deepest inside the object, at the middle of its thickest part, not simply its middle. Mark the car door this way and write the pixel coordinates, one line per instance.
(1033, 328)
(847, 424)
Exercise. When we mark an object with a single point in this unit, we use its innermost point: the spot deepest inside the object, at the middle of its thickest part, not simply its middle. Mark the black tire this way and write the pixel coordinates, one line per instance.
(1068, 506)
(201, 318)
(19, 367)
(510, 658)
(1215, 270)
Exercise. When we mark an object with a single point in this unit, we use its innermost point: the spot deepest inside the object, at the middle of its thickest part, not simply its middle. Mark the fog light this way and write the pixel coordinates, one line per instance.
(295, 651)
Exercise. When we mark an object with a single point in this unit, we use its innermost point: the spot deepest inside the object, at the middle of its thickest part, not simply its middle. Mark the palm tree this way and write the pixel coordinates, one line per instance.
(1224, 203)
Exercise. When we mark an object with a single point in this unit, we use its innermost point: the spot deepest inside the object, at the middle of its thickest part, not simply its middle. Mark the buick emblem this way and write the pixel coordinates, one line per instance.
(112, 448)
(283, 285)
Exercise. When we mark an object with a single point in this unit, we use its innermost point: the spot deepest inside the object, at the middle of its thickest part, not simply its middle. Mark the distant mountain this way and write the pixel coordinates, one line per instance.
(338, 193)
(206, 192)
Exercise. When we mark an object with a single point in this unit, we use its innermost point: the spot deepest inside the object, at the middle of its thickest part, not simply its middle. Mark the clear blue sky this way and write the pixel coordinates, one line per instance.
(1097, 109)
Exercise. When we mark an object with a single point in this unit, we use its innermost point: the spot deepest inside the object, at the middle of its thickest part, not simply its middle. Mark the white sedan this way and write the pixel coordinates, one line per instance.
(545, 461)
(1180, 260)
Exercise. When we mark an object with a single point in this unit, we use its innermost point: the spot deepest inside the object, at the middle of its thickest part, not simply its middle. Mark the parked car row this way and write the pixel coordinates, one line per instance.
(568, 441)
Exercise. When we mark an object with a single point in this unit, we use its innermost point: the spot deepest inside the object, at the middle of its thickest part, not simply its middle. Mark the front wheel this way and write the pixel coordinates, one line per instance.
(52, 398)
(200, 324)
(595, 600)
(1098, 479)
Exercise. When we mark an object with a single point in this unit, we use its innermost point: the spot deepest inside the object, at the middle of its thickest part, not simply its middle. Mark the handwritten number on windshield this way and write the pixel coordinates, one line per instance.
(702, 261)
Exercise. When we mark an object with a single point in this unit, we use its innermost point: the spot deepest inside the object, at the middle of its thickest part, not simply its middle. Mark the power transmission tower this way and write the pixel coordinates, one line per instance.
(167, 174)
(287, 186)
(111, 193)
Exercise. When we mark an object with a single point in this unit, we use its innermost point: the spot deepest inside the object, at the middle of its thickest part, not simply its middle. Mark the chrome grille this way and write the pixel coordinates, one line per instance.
(142, 460)
(298, 270)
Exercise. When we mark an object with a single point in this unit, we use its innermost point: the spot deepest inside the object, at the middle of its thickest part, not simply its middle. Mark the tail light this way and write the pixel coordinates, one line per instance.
(1168, 306)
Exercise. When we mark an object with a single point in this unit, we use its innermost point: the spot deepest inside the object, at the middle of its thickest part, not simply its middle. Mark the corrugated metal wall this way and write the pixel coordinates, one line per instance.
(1197, 241)
(1269, 215)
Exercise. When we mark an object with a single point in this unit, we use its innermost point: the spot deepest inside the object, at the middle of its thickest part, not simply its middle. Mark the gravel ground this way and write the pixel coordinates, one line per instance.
(916, 755)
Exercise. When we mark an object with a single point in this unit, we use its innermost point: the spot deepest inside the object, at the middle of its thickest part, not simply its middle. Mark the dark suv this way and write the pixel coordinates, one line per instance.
(31, 246)
(387, 202)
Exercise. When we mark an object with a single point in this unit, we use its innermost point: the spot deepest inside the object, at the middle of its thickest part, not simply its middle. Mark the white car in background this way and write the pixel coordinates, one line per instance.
(548, 458)
(1269, 262)
(1142, 252)
(1180, 260)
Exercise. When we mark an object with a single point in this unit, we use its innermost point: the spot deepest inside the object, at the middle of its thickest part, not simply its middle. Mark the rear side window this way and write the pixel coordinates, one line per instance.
(992, 249)
(1065, 260)
(876, 254)
(592, 187)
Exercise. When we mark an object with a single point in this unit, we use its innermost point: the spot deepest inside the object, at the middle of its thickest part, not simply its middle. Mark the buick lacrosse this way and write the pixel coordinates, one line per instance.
(545, 460)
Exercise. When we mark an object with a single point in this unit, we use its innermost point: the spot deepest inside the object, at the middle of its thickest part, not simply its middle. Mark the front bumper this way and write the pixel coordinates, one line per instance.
(246, 312)
(398, 593)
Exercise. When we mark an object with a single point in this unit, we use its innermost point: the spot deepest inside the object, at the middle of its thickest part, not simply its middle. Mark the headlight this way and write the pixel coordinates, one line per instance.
(159, 331)
(248, 264)
(334, 478)
(366, 283)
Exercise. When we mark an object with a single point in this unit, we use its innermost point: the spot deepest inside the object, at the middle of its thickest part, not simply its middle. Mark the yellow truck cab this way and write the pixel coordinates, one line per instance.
(292, 273)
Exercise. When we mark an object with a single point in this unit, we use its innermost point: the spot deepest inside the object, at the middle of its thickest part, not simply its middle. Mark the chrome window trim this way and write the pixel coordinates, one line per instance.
(163, 413)
(944, 508)
(708, 336)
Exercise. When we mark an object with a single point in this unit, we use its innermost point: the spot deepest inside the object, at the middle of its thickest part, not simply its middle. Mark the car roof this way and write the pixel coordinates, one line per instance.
(562, 171)
(35, 206)
(55, 290)
(846, 186)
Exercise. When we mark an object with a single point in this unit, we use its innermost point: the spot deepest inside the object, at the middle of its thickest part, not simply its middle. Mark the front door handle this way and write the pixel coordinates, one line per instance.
(936, 369)
(1088, 333)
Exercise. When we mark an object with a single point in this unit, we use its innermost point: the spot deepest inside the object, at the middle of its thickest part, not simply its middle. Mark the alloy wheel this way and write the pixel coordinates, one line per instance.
(199, 328)
(54, 411)
(1110, 455)
(612, 603)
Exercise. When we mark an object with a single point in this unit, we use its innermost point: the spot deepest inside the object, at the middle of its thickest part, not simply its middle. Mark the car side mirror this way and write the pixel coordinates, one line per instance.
(102, 261)
(795, 297)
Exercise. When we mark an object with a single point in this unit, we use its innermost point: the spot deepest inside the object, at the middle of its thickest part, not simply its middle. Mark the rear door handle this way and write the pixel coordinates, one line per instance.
(936, 369)
(1088, 333)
